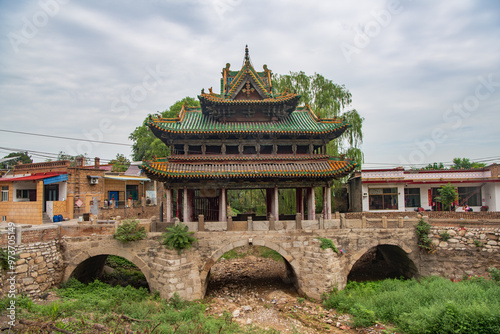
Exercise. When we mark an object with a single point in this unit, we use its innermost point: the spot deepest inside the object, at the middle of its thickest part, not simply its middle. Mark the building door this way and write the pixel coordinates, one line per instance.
(50, 193)
(436, 206)
(113, 199)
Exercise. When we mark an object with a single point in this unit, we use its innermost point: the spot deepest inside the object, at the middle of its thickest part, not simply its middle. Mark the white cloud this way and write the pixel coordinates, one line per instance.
(428, 57)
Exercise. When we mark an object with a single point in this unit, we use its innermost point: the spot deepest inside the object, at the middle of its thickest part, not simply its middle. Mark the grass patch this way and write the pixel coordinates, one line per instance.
(82, 306)
(270, 253)
(236, 253)
(257, 251)
(117, 261)
(432, 305)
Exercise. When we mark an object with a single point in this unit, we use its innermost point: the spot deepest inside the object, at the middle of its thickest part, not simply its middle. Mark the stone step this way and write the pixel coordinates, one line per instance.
(46, 219)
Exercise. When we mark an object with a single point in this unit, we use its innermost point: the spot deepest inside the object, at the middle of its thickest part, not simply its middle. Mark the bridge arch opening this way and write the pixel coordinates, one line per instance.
(250, 270)
(382, 262)
(111, 269)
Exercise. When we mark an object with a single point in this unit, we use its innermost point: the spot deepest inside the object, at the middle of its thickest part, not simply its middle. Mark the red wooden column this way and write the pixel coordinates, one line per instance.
(223, 205)
(311, 204)
(179, 203)
(269, 201)
(276, 209)
(327, 202)
(185, 216)
(187, 205)
(169, 204)
(299, 201)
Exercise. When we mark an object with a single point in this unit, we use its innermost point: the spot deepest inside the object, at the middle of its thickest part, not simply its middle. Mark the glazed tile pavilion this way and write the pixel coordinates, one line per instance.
(246, 137)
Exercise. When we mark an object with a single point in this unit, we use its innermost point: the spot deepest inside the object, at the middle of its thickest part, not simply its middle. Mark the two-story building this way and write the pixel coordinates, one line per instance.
(35, 193)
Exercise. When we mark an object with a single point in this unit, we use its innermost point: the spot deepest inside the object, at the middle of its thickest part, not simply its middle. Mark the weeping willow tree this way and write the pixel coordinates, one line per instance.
(327, 100)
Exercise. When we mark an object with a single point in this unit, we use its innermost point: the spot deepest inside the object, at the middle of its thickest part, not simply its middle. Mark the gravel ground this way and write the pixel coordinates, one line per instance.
(252, 290)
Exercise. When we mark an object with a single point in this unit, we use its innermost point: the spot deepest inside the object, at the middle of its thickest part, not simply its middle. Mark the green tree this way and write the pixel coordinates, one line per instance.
(327, 99)
(434, 166)
(146, 145)
(447, 195)
(72, 158)
(464, 163)
(23, 157)
(120, 163)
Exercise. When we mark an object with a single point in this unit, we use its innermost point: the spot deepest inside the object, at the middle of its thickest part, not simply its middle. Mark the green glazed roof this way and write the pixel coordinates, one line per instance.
(325, 168)
(298, 122)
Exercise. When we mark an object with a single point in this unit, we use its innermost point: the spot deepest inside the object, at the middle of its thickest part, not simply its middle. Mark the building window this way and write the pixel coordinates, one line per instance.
(470, 196)
(5, 194)
(383, 198)
(412, 197)
(132, 192)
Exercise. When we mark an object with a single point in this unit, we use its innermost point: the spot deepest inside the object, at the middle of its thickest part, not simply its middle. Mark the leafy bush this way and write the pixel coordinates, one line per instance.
(363, 317)
(130, 230)
(5, 260)
(431, 305)
(494, 273)
(82, 305)
(178, 237)
(117, 261)
(327, 243)
(423, 228)
(447, 195)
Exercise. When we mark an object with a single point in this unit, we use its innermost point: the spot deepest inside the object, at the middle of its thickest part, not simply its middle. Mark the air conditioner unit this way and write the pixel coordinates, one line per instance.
(93, 179)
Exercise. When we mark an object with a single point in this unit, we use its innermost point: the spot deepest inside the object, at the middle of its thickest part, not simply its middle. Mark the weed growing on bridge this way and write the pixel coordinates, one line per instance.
(445, 236)
(423, 228)
(494, 273)
(130, 230)
(7, 259)
(478, 243)
(327, 243)
(432, 305)
(178, 237)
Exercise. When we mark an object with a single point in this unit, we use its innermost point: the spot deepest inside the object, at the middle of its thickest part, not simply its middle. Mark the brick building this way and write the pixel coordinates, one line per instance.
(34, 193)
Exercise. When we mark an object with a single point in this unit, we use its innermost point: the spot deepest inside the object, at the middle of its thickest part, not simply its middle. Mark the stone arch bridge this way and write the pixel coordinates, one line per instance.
(313, 270)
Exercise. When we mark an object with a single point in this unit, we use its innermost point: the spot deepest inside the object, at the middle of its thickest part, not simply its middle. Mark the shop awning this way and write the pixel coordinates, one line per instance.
(55, 179)
(127, 178)
(35, 177)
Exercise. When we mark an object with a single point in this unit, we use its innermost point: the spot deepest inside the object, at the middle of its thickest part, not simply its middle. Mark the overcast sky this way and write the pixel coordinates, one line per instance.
(425, 75)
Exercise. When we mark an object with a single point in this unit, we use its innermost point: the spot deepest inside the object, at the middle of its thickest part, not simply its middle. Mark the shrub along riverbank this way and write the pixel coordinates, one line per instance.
(429, 305)
(98, 307)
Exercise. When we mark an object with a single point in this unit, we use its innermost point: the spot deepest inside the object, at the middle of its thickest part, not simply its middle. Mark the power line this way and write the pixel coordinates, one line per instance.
(41, 153)
(66, 138)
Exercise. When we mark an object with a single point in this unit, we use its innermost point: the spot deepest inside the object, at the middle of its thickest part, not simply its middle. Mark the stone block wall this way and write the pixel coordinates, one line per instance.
(39, 268)
(470, 251)
(431, 214)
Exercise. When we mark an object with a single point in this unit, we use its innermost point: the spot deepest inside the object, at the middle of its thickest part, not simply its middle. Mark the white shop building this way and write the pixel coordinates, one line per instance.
(380, 190)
